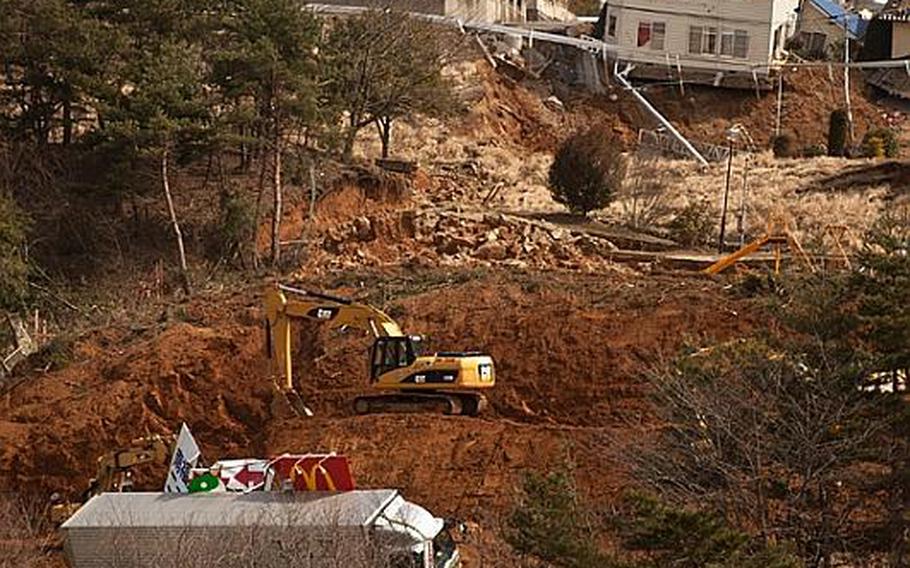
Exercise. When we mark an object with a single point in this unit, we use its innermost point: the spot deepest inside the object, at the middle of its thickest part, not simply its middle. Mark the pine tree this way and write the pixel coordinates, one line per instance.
(162, 111)
(268, 54)
(55, 57)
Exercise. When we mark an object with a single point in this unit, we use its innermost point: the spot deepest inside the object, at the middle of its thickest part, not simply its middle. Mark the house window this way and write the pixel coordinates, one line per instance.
(611, 27)
(695, 39)
(727, 40)
(658, 35)
(652, 35)
(709, 41)
(815, 42)
(702, 40)
(741, 44)
(644, 34)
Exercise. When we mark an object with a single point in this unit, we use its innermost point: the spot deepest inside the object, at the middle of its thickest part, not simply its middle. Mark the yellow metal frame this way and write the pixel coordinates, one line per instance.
(774, 236)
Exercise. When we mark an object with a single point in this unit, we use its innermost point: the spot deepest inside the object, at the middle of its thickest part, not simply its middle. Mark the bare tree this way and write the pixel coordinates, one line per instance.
(383, 65)
(643, 196)
(770, 439)
(23, 532)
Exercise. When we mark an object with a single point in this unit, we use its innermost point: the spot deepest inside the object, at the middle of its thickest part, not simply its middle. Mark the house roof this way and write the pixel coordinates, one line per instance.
(853, 22)
(301, 509)
(896, 11)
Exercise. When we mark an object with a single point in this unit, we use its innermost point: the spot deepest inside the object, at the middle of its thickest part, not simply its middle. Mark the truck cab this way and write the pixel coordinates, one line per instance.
(425, 539)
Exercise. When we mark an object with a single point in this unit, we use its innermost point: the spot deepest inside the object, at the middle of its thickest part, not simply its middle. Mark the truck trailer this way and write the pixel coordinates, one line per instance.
(355, 529)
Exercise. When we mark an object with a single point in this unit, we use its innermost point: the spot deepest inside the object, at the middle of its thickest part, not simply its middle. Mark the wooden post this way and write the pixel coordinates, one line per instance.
(780, 101)
(312, 190)
(741, 220)
(847, 82)
(679, 72)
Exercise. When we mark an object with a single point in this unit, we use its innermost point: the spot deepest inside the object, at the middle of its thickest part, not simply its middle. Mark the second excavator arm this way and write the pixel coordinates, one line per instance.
(285, 303)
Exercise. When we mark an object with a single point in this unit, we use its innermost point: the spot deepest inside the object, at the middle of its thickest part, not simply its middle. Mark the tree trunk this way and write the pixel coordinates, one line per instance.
(165, 180)
(349, 138)
(385, 131)
(67, 120)
(276, 187)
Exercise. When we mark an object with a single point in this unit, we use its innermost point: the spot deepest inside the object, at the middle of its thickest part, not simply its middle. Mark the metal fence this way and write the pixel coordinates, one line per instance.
(669, 145)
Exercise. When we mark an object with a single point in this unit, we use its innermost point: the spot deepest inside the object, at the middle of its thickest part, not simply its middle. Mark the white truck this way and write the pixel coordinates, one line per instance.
(355, 529)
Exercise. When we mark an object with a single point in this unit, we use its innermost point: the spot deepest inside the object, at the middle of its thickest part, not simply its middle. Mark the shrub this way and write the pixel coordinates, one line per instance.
(675, 536)
(694, 225)
(588, 170)
(14, 224)
(837, 133)
(880, 143)
(644, 193)
(814, 151)
(549, 523)
(784, 146)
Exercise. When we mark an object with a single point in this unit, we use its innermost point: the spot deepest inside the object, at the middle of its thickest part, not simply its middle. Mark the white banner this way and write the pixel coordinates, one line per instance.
(186, 455)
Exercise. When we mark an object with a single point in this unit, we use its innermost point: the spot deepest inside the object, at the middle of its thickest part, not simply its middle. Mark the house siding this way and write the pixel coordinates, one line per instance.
(757, 17)
(814, 21)
(900, 40)
(549, 10)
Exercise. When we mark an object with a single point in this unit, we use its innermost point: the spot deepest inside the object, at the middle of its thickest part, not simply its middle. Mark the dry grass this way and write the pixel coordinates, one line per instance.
(772, 195)
(492, 146)
(487, 161)
(24, 533)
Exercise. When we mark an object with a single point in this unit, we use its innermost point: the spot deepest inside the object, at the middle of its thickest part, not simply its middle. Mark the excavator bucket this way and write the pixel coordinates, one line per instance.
(290, 403)
(286, 401)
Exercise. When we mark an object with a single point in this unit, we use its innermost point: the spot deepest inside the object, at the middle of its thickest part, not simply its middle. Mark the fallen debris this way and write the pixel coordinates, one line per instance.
(18, 346)
(455, 237)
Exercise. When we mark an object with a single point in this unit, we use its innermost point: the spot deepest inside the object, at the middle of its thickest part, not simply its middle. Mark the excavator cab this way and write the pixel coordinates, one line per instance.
(390, 353)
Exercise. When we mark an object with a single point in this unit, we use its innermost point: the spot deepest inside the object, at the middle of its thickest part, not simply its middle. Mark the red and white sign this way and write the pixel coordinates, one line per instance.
(241, 475)
(310, 472)
(288, 472)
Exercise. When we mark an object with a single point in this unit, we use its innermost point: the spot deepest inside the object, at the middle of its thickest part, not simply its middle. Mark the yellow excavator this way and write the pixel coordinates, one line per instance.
(408, 380)
(113, 472)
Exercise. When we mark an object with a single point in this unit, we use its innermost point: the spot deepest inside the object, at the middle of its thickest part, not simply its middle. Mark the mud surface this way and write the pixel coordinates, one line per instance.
(570, 351)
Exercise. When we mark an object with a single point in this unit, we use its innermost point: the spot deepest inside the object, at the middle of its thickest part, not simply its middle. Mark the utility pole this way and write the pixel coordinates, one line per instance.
(741, 219)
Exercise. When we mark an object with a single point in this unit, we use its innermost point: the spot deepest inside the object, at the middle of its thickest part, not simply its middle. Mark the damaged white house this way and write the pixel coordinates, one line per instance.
(727, 43)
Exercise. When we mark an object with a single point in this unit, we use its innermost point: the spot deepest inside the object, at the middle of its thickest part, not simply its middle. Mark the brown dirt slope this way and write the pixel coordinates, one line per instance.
(516, 112)
(568, 350)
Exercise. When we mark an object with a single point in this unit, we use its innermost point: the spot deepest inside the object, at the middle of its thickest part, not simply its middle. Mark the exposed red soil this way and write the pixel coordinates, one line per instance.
(515, 112)
(810, 95)
(568, 349)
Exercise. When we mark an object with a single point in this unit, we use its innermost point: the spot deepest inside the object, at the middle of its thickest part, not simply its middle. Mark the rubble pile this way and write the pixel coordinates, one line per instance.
(455, 237)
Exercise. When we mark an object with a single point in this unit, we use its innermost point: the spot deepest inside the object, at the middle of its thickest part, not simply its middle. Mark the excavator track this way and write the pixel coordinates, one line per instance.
(467, 404)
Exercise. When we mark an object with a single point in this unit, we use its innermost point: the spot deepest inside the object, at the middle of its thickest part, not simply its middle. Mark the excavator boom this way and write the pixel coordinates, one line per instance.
(284, 303)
